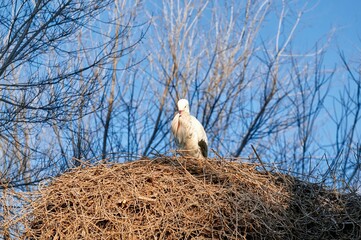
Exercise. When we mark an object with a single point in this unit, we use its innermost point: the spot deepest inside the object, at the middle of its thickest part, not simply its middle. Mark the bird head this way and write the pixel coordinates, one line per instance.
(183, 106)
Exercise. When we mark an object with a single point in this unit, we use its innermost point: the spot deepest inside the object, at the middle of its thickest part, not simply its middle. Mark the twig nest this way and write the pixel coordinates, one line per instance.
(177, 198)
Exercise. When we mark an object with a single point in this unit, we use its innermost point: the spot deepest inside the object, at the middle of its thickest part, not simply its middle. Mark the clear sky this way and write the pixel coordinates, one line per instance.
(344, 16)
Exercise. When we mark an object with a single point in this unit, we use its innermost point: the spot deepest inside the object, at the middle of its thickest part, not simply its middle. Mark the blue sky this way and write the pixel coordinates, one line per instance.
(342, 15)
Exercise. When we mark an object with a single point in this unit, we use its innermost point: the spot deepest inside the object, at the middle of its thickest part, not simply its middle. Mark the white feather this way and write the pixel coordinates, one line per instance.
(189, 132)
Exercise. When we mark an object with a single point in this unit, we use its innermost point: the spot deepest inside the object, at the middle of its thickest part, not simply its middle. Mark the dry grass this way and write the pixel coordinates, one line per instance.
(177, 198)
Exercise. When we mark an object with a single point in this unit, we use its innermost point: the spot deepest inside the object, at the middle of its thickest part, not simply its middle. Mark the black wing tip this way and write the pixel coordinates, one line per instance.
(204, 148)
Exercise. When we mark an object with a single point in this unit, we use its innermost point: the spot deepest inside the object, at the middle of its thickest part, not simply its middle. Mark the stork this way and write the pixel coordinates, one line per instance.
(189, 133)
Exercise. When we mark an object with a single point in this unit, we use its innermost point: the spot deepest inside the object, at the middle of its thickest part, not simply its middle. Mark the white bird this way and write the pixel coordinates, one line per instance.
(189, 133)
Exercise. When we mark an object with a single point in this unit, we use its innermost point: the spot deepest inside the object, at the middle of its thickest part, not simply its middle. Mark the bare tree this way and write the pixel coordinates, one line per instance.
(98, 82)
(53, 57)
(346, 117)
(99, 134)
(246, 88)
(85, 81)
(237, 85)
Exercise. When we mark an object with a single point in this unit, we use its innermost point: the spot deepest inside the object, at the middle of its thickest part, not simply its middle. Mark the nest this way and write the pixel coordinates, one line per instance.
(177, 198)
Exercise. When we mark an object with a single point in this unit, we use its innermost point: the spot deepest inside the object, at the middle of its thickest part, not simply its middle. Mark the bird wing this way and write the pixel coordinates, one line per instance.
(174, 128)
(198, 128)
(202, 136)
(203, 146)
